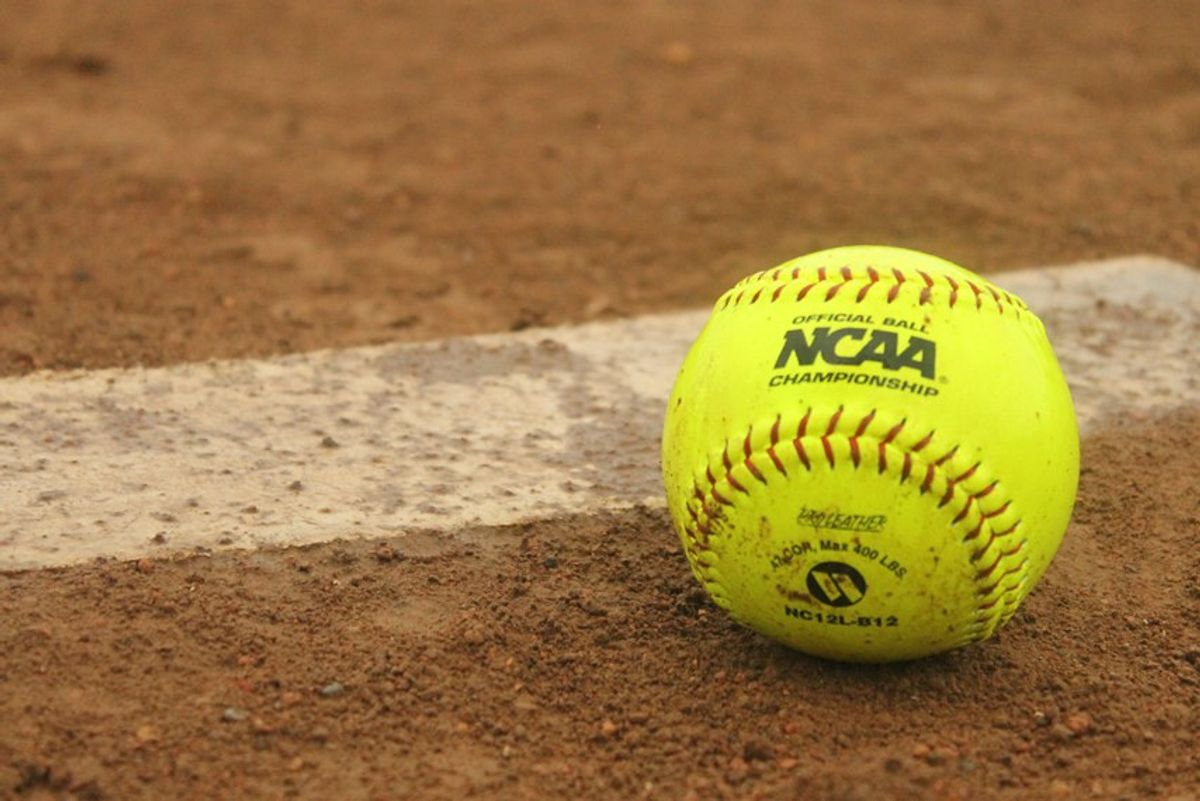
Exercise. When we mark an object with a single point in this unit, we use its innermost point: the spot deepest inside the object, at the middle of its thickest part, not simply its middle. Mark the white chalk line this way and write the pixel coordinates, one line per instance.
(492, 430)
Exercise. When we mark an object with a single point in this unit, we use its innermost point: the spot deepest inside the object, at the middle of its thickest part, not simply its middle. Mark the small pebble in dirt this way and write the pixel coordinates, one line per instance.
(329, 442)
(144, 566)
(550, 562)
(296, 486)
(1061, 732)
(332, 689)
(678, 54)
(608, 728)
(386, 553)
(232, 714)
(146, 733)
(1041, 719)
(1079, 723)
(756, 750)
(474, 635)
(738, 770)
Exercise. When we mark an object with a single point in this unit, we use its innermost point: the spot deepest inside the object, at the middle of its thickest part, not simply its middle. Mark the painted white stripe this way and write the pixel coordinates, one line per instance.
(491, 429)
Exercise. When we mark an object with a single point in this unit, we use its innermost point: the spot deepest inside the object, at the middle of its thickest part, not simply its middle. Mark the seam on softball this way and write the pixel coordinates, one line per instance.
(779, 284)
(988, 523)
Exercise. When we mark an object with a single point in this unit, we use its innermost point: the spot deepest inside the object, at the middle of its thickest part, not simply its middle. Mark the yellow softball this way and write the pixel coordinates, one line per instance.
(870, 454)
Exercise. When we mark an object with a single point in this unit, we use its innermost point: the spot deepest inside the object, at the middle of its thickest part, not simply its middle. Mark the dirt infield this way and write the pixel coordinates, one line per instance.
(579, 658)
(225, 179)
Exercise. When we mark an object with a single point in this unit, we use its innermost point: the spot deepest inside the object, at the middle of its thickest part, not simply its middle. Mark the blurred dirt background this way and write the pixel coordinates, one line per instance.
(235, 178)
(221, 179)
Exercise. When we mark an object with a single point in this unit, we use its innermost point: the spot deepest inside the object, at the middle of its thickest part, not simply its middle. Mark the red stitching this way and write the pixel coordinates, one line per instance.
(871, 276)
(997, 512)
(949, 455)
(952, 482)
(930, 470)
(801, 429)
(754, 471)
(978, 294)
(847, 277)
(986, 619)
(874, 279)
(775, 458)
(862, 425)
(927, 292)
(977, 530)
(825, 443)
(895, 290)
(828, 450)
(799, 445)
(1017, 568)
(996, 297)
(995, 535)
(775, 441)
(806, 289)
(983, 493)
(982, 574)
(855, 457)
(887, 440)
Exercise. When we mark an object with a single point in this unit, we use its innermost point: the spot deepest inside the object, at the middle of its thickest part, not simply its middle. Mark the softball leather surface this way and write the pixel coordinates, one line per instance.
(870, 454)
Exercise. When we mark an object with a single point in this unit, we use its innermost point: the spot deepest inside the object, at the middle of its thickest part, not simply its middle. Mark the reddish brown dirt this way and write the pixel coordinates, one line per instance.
(250, 177)
(579, 659)
(219, 179)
